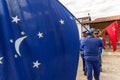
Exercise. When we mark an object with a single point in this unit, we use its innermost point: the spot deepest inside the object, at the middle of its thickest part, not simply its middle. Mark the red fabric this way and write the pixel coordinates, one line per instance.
(112, 31)
(104, 42)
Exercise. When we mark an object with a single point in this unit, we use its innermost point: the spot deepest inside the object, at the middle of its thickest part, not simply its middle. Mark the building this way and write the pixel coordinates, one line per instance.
(81, 26)
(102, 23)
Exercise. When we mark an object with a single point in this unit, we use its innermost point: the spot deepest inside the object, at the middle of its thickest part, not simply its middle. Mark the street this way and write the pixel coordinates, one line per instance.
(110, 68)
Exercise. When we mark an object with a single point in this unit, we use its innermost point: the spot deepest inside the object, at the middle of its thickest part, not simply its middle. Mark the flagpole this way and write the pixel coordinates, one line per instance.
(73, 16)
(103, 30)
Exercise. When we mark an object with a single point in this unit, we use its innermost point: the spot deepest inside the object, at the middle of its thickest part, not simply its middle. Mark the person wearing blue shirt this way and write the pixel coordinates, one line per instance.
(84, 35)
(91, 55)
(98, 35)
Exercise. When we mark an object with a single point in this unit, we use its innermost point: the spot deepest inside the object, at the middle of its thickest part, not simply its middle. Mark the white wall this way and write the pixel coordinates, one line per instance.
(81, 28)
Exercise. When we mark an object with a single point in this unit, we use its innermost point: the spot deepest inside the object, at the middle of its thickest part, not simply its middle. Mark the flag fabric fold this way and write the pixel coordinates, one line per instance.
(112, 31)
(38, 41)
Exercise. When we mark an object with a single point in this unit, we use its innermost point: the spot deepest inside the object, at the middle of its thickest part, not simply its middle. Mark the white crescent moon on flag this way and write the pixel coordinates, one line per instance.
(17, 44)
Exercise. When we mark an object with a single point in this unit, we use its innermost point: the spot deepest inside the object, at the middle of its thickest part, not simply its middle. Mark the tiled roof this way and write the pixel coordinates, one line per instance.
(84, 17)
(103, 19)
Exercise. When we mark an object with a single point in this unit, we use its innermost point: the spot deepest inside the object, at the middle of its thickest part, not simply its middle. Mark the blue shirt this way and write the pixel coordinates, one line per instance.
(101, 47)
(91, 47)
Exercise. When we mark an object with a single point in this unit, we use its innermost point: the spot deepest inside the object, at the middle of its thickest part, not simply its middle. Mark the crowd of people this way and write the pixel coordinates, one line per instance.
(91, 49)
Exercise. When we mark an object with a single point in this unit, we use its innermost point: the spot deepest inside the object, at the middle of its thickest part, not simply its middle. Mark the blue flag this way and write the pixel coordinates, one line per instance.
(38, 41)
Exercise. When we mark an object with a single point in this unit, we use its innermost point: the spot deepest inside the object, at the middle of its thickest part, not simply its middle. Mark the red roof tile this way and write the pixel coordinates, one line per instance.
(103, 19)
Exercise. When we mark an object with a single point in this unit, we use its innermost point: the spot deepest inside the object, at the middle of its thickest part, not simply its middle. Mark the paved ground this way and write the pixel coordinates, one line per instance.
(111, 67)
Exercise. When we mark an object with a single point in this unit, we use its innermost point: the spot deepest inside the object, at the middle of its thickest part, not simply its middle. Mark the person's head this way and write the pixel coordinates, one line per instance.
(84, 34)
(90, 32)
(96, 33)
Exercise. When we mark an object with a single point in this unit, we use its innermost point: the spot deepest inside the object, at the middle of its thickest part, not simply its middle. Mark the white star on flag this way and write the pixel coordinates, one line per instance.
(15, 19)
(22, 33)
(61, 21)
(1, 60)
(40, 34)
(16, 55)
(71, 17)
(11, 40)
(36, 64)
(113, 28)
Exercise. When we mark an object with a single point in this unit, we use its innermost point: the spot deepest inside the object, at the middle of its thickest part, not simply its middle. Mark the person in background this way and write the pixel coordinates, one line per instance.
(84, 35)
(91, 46)
(97, 34)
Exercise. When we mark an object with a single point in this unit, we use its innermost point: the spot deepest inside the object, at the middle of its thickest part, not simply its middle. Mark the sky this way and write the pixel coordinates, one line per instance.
(96, 8)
